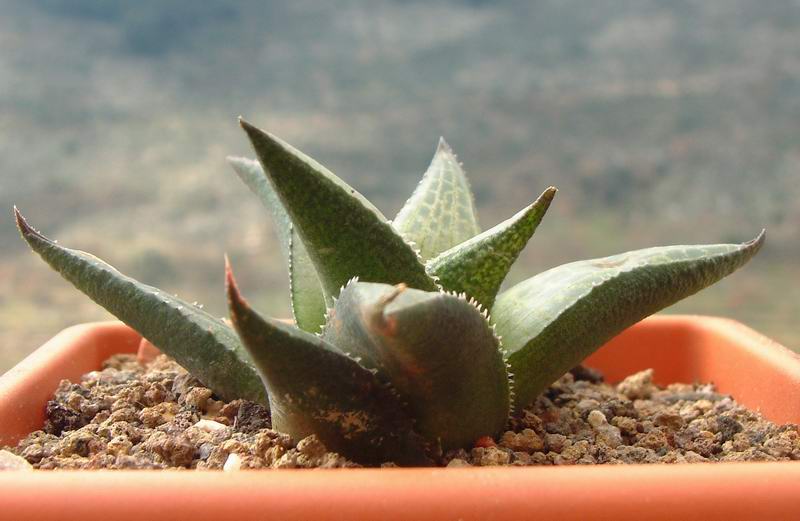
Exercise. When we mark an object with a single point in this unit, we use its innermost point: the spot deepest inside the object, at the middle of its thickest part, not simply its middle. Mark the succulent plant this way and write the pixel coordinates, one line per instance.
(402, 346)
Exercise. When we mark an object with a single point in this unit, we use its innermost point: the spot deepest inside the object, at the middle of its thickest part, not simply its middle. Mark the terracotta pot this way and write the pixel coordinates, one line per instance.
(756, 371)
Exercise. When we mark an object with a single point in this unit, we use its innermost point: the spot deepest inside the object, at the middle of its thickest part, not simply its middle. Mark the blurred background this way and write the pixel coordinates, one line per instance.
(661, 123)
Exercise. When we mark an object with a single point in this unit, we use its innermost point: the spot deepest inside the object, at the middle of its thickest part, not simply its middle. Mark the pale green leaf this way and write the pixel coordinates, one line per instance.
(308, 303)
(551, 322)
(441, 212)
(478, 266)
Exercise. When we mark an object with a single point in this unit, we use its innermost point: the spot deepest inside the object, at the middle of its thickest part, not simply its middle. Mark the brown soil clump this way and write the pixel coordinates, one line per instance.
(581, 420)
(157, 416)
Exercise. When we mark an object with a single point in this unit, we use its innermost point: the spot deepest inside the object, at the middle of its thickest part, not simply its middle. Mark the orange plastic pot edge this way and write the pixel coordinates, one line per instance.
(755, 370)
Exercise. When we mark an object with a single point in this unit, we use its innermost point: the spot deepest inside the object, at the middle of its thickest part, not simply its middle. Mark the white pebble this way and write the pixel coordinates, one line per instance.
(234, 462)
(209, 425)
(10, 461)
(457, 462)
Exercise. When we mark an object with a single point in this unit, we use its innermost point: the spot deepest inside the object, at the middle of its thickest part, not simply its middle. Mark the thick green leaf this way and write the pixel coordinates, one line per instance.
(551, 322)
(478, 266)
(344, 234)
(441, 212)
(315, 389)
(308, 303)
(201, 343)
(436, 349)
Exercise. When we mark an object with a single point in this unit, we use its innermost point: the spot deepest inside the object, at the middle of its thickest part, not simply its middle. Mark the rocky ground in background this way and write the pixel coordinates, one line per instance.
(157, 416)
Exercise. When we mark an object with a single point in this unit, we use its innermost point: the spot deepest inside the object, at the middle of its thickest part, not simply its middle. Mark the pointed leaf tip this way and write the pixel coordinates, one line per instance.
(441, 212)
(758, 240)
(343, 233)
(24, 228)
(479, 265)
(256, 134)
(253, 132)
(235, 299)
(247, 126)
(230, 281)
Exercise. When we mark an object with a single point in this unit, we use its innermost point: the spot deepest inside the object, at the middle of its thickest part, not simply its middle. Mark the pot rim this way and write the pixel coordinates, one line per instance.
(682, 491)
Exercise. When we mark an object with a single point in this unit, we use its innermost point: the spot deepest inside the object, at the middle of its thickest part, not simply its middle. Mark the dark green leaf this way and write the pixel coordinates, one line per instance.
(315, 389)
(436, 349)
(344, 234)
(551, 322)
(201, 343)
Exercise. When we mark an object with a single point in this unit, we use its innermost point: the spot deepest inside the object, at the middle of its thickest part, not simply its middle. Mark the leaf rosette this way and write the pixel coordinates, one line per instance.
(402, 345)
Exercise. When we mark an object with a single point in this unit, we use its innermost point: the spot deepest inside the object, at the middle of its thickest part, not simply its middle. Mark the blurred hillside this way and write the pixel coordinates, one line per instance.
(660, 122)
